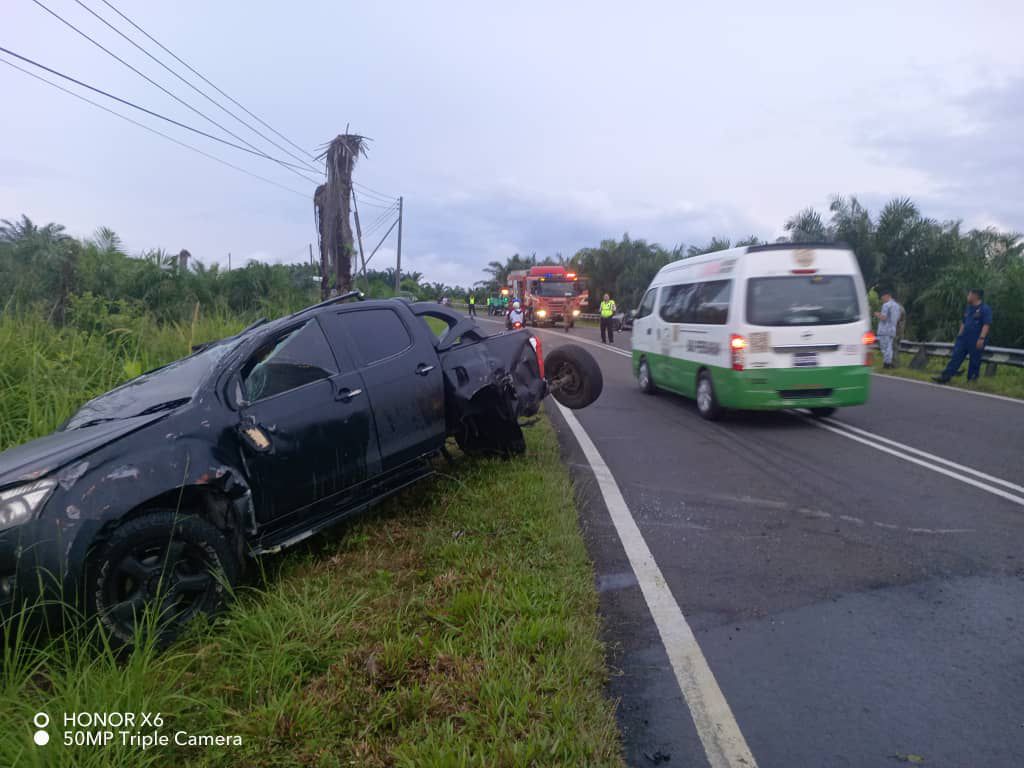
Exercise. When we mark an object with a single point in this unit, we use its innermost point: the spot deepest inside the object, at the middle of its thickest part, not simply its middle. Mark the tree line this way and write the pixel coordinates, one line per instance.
(45, 270)
(928, 264)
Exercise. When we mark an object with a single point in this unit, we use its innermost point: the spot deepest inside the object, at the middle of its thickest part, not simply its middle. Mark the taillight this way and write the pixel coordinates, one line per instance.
(737, 348)
(868, 340)
(535, 343)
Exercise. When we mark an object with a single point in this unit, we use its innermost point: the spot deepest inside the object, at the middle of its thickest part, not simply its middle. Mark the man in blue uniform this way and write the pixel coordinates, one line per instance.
(974, 330)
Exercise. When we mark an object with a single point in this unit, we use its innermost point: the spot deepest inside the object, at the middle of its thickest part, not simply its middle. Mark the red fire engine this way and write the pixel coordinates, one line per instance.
(549, 294)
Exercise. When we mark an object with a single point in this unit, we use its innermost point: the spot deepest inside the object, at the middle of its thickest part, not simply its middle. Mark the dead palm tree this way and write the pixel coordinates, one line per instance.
(332, 203)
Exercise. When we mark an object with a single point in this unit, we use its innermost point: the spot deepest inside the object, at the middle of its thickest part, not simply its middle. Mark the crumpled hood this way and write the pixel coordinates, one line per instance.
(41, 456)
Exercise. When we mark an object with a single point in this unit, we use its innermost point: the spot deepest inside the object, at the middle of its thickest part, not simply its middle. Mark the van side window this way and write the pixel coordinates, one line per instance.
(647, 305)
(675, 303)
(711, 304)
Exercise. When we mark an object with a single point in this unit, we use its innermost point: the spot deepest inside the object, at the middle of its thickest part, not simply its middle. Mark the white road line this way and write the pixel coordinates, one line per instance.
(948, 388)
(931, 456)
(718, 730)
(934, 467)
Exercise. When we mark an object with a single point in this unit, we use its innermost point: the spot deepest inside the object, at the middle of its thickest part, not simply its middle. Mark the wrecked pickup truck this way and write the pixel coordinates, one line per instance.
(155, 494)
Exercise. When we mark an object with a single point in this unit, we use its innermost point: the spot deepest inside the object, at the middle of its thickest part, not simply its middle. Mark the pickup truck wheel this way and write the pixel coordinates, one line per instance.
(172, 565)
(574, 376)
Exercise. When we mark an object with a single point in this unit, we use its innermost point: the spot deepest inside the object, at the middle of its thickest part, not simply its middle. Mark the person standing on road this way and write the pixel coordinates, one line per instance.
(471, 300)
(607, 312)
(974, 330)
(888, 320)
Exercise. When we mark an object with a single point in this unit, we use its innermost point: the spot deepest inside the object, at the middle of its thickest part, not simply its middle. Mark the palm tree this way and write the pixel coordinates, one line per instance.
(807, 226)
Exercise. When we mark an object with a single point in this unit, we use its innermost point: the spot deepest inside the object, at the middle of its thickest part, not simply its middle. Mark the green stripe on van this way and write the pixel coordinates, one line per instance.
(763, 388)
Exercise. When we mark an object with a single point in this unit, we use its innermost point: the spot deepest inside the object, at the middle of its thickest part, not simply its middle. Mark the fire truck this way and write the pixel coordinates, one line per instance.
(549, 294)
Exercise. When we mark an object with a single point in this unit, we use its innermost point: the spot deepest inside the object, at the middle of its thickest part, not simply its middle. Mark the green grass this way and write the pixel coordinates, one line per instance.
(47, 372)
(456, 626)
(1008, 381)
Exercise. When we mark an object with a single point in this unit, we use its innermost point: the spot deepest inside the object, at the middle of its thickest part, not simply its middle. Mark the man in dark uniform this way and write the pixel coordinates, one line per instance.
(974, 330)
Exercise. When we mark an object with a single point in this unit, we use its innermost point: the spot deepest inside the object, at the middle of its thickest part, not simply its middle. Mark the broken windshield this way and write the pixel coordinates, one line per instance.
(162, 389)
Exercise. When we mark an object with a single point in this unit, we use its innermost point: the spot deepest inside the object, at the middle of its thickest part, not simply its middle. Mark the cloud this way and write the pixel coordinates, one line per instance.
(453, 237)
(971, 151)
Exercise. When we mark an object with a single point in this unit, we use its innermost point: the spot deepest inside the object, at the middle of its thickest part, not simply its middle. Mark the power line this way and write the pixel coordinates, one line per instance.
(141, 109)
(150, 80)
(381, 220)
(382, 195)
(378, 205)
(197, 74)
(151, 130)
(198, 90)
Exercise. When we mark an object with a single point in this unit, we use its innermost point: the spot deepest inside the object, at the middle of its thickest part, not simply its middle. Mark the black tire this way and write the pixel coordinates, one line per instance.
(574, 375)
(707, 401)
(822, 413)
(174, 563)
(645, 379)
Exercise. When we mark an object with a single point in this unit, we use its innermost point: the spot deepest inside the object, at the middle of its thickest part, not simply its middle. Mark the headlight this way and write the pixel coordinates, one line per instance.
(542, 313)
(575, 313)
(20, 504)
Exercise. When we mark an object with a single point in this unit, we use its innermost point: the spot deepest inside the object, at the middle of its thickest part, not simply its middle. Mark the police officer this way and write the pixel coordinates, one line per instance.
(607, 311)
(974, 330)
(472, 304)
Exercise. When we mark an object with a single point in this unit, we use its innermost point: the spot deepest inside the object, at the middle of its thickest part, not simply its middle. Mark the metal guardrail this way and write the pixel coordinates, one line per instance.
(992, 356)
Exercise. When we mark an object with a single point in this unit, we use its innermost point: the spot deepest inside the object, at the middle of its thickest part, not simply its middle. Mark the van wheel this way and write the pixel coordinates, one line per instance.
(707, 403)
(822, 413)
(645, 380)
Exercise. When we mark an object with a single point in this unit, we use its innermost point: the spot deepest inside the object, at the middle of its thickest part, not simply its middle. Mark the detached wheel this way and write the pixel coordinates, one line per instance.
(644, 378)
(574, 376)
(165, 565)
(822, 413)
(707, 403)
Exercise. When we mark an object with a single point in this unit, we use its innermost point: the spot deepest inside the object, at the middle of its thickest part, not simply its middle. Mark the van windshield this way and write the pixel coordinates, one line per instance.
(802, 300)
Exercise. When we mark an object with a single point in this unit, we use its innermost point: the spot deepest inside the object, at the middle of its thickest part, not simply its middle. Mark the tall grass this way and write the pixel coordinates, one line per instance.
(48, 371)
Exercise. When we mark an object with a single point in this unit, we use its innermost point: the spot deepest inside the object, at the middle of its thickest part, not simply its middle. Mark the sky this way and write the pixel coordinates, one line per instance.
(533, 127)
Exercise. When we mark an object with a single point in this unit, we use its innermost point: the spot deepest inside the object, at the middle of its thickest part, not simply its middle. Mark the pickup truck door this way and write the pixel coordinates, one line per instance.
(306, 429)
(402, 375)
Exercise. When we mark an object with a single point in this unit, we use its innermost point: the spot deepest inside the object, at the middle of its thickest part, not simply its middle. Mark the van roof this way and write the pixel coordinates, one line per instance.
(684, 263)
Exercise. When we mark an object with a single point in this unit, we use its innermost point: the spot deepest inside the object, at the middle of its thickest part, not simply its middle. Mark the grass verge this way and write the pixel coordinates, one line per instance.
(455, 626)
(1008, 381)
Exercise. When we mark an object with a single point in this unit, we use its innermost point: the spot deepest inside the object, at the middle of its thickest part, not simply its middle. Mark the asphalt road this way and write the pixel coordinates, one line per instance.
(858, 595)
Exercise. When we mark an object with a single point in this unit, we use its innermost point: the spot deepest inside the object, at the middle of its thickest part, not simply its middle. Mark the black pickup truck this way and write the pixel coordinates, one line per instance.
(157, 492)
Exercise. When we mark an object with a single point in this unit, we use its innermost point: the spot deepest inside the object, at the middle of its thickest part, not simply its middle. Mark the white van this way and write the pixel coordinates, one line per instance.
(760, 327)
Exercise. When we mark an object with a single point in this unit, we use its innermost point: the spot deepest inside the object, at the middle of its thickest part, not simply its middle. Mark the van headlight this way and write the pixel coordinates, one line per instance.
(575, 313)
(20, 504)
(542, 313)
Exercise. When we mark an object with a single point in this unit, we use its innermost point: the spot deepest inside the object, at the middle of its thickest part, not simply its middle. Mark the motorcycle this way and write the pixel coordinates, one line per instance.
(514, 319)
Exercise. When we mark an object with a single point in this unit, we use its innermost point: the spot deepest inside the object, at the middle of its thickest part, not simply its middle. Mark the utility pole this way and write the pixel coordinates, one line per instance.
(311, 254)
(359, 239)
(229, 261)
(398, 256)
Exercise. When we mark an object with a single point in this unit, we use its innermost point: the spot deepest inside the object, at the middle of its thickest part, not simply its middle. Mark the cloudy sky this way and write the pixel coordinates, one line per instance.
(533, 127)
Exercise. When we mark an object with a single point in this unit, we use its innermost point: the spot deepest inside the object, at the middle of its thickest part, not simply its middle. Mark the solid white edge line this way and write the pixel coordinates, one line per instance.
(716, 726)
(948, 388)
(924, 454)
(921, 463)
